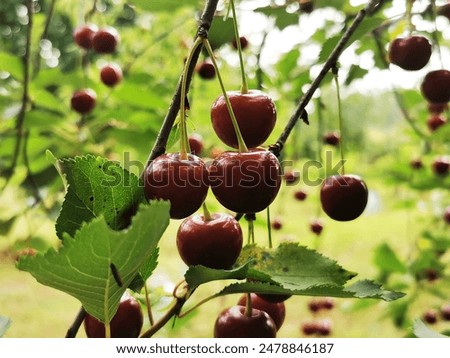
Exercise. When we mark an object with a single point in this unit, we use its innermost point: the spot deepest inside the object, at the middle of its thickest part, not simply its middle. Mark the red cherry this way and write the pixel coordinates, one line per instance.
(430, 316)
(436, 86)
(316, 226)
(306, 6)
(111, 74)
(83, 36)
(196, 144)
(445, 312)
(276, 224)
(447, 215)
(332, 138)
(245, 182)
(206, 70)
(314, 306)
(214, 243)
(255, 114)
(291, 177)
(300, 195)
(444, 10)
(416, 164)
(435, 121)
(234, 323)
(105, 40)
(441, 166)
(309, 328)
(83, 101)
(273, 298)
(327, 303)
(410, 53)
(244, 43)
(126, 323)
(324, 327)
(276, 311)
(183, 182)
(343, 197)
(437, 108)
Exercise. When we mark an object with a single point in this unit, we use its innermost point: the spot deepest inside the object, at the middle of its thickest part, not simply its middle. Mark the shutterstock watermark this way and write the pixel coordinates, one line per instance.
(246, 173)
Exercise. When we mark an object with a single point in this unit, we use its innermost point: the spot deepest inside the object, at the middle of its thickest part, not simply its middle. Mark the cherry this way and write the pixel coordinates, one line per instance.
(410, 53)
(306, 6)
(126, 323)
(430, 316)
(324, 327)
(277, 224)
(445, 312)
(300, 195)
(309, 328)
(316, 226)
(206, 70)
(83, 36)
(196, 144)
(436, 86)
(327, 303)
(319, 304)
(83, 101)
(244, 43)
(245, 182)
(435, 121)
(255, 113)
(183, 182)
(343, 197)
(446, 215)
(276, 311)
(332, 138)
(291, 177)
(234, 323)
(214, 243)
(441, 166)
(444, 10)
(105, 40)
(431, 274)
(437, 108)
(273, 298)
(111, 74)
(416, 164)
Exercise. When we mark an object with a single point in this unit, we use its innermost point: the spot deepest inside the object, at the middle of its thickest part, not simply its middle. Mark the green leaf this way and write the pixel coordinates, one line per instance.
(354, 73)
(5, 322)
(387, 260)
(221, 32)
(163, 5)
(97, 186)
(421, 330)
(146, 271)
(82, 266)
(366, 26)
(11, 64)
(283, 18)
(136, 96)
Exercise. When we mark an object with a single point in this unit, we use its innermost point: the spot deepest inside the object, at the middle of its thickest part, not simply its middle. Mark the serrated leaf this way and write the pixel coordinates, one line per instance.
(221, 32)
(82, 266)
(387, 260)
(366, 26)
(146, 271)
(5, 322)
(282, 18)
(97, 186)
(421, 330)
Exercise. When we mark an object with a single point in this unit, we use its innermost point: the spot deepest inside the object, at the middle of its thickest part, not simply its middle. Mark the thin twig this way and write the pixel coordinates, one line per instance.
(259, 71)
(331, 61)
(73, 329)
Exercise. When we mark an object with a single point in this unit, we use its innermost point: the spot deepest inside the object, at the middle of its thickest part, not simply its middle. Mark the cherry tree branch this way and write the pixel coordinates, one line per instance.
(329, 64)
(163, 135)
(73, 329)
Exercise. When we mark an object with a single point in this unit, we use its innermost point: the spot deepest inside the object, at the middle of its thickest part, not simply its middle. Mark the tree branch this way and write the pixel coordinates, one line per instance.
(331, 62)
(73, 329)
(37, 59)
(163, 135)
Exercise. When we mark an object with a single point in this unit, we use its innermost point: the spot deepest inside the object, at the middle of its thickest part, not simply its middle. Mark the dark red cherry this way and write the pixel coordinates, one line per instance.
(445, 312)
(416, 164)
(441, 166)
(206, 70)
(234, 323)
(183, 182)
(105, 40)
(291, 177)
(255, 114)
(214, 243)
(244, 43)
(83, 36)
(332, 138)
(300, 195)
(430, 316)
(111, 74)
(196, 144)
(83, 101)
(316, 226)
(446, 215)
(410, 53)
(245, 182)
(343, 197)
(273, 298)
(436, 86)
(277, 311)
(435, 121)
(437, 108)
(444, 10)
(309, 328)
(306, 6)
(126, 323)
(276, 224)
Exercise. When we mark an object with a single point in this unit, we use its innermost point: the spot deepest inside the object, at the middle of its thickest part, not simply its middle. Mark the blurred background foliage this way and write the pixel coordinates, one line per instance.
(401, 240)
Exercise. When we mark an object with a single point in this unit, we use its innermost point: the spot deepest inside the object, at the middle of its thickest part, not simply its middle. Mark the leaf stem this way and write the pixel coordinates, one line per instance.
(269, 227)
(341, 120)
(73, 329)
(242, 147)
(244, 84)
(248, 305)
(331, 61)
(148, 305)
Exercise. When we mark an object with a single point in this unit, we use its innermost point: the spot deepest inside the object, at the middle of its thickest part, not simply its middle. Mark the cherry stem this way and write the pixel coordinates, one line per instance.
(435, 32)
(341, 121)
(251, 232)
(244, 84)
(107, 330)
(269, 227)
(409, 6)
(197, 305)
(242, 147)
(148, 305)
(248, 305)
(185, 149)
(206, 213)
